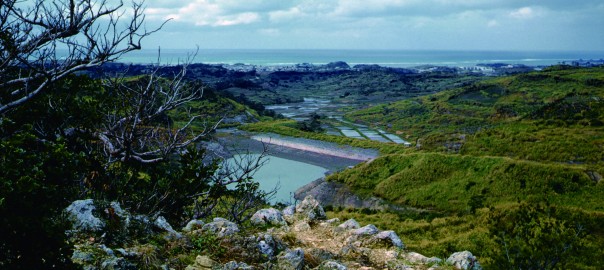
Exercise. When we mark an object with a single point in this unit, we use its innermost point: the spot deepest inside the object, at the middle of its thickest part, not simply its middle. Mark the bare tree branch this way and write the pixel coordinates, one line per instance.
(138, 129)
(32, 35)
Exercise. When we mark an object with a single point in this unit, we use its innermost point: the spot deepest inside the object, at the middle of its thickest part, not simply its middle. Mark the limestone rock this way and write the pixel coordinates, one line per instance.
(270, 216)
(291, 260)
(202, 263)
(350, 224)
(265, 249)
(319, 255)
(464, 260)
(81, 214)
(233, 265)
(332, 221)
(221, 227)
(390, 238)
(434, 261)
(117, 263)
(332, 265)
(192, 225)
(302, 227)
(288, 213)
(367, 230)
(311, 209)
(415, 258)
(162, 223)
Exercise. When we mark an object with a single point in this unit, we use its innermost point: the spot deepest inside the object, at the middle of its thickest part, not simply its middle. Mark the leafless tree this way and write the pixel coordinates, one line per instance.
(34, 33)
(138, 127)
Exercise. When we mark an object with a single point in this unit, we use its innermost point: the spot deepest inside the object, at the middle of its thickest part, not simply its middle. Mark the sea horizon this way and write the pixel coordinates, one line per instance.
(387, 58)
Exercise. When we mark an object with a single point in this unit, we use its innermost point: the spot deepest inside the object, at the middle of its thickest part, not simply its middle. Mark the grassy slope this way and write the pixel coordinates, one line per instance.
(534, 137)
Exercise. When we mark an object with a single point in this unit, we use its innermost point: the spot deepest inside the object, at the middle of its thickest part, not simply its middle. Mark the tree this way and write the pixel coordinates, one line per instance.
(137, 126)
(33, 35)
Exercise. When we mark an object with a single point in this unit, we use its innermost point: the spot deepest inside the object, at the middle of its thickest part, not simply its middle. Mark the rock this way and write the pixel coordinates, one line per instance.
(464, 260)
(415, 258)
(117, 263)
(302, 227)
(337, 195)
(434, 261)
(202, 263)
(265, 249)
(332, 221)
(311, 209)
(82, 257)
(221, 227)
(367, 230)
(350, 224)
(332, 265)
(81, 214)
(320, 255)
(233, 265)
(291, 260)
(270, 216)
(390, 238)
(192, 225)
(162, 223)
(288, 213)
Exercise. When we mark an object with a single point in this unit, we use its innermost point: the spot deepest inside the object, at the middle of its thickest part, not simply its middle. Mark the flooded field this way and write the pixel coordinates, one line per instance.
(301, 111)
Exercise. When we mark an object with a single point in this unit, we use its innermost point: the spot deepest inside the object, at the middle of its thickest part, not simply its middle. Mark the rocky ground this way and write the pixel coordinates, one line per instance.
(297, 237)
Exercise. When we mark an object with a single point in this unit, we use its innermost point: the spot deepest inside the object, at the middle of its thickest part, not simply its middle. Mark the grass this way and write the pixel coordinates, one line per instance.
(534, 138)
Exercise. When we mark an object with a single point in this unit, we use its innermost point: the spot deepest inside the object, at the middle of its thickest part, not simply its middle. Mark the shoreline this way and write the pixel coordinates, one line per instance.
(240, 142)
(318, 147)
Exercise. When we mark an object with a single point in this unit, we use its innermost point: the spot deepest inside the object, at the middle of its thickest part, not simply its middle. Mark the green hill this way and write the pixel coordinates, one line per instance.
(520, 157)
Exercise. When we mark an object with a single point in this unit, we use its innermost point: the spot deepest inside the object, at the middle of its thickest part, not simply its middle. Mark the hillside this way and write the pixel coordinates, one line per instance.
(494, 158)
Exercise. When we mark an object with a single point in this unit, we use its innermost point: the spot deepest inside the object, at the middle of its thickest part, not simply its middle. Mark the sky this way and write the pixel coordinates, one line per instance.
(510, 25)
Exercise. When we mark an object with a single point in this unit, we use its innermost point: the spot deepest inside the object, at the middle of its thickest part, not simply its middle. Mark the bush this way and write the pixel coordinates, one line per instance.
(533, 237)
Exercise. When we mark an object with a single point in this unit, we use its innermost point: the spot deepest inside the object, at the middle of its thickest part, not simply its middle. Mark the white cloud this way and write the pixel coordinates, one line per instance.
(243, 18)
(493, 23)
(523, 13)
(412, 23)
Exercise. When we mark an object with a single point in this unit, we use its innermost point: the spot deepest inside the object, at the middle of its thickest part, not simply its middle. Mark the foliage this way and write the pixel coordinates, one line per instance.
(532, 237)
(208, 244)
(51, 155)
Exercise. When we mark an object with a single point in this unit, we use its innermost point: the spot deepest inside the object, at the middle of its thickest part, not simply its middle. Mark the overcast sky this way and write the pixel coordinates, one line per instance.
(379, 24)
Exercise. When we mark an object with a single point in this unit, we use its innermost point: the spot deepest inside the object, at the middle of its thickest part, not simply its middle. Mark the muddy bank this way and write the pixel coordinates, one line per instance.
(231, 142)
(319, 147)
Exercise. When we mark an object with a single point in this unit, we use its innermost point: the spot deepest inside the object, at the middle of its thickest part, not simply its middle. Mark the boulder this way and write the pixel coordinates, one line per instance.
(310, 209)
(390, 238)
(288, 213)
(233, 265)
(117, 263)
(332, 221)
(464, 260)
(265, 249)
(202, 263)
(81, 214)
(319, 255)
(367, 230)
(332, 265)
(415, 258)
(291, 260)
(221, 227)
(434, 261)
(192, 225)
(162, 223)
(350, 224)
(270, 216)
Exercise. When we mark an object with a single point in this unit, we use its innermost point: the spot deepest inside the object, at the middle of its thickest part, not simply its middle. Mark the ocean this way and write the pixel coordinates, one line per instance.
(390, 58)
